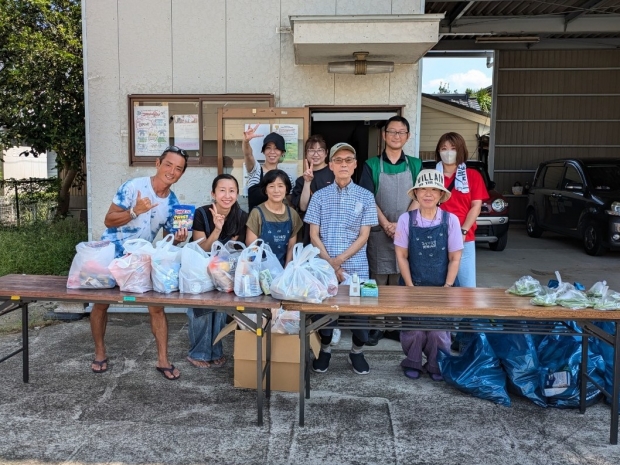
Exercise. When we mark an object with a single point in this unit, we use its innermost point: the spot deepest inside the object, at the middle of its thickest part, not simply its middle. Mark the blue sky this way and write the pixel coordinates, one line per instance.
(459, 73)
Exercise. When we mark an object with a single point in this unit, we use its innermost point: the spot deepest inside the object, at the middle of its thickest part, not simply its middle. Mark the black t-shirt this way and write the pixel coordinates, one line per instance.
(231, 228)
(322, 178)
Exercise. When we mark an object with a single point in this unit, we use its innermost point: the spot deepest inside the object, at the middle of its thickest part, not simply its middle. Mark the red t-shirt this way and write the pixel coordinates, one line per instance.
(460, 203)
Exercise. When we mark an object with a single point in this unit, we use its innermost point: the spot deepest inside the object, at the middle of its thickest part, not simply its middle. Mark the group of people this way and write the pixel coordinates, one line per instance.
(400, 225)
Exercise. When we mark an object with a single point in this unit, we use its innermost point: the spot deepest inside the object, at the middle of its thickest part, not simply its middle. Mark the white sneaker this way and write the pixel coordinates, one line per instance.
(335, 337)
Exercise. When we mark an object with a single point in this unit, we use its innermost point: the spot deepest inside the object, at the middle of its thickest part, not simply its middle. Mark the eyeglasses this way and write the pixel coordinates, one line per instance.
(316, 151)
(175, 149)
(393, 133)
(340, 161)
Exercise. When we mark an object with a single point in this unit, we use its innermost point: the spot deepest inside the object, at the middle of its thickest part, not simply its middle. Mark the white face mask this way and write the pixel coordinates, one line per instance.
(448, 156)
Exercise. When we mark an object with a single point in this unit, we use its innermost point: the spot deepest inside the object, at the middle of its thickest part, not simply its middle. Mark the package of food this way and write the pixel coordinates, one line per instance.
(525, 286)
(183, 217)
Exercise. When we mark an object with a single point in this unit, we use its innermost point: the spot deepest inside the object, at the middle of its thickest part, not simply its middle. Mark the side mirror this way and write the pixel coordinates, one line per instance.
(492, 184)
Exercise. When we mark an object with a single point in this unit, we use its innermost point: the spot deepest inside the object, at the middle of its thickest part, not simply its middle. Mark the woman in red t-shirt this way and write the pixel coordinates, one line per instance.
(468, 192)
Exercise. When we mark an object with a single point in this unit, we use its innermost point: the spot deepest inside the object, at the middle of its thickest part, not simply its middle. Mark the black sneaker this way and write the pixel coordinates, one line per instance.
(359, 364)
(321, 364)
(374, 336)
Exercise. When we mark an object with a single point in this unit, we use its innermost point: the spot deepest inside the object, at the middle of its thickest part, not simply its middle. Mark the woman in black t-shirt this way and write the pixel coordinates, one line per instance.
(223, 221)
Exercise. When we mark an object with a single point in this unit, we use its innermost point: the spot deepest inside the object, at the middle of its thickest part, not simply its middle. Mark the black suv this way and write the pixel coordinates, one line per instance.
(492, 223)
(579, 198)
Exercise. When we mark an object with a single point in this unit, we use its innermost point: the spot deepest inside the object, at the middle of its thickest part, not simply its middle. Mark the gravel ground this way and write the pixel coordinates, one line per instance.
(12, 322)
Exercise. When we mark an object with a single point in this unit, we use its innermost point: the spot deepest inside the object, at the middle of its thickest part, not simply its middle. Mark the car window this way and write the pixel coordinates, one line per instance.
(604, 176)
(571, 176)
(553, 176)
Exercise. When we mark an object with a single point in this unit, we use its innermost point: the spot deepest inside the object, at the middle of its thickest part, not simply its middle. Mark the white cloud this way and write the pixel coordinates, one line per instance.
(473, 79)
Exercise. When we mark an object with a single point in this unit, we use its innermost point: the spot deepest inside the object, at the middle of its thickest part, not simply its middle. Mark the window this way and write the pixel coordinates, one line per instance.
(187, 121)
(553, 176)
(571, 176)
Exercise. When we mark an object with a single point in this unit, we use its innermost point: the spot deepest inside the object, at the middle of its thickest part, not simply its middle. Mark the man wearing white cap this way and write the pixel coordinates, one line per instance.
(340, 217)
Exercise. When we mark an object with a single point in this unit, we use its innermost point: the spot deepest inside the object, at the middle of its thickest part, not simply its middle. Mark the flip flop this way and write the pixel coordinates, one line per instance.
(219, 363)
(169, 370)
(100, 364)
(436, 376)
(412, 373)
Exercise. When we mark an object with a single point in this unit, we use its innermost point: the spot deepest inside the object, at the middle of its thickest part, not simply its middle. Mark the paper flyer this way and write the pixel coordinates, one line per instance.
(151, 130)
(186, 132)
(290, 132)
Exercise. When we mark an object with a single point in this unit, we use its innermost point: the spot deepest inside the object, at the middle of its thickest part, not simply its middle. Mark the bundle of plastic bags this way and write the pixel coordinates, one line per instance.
(193, 275)
(89, 269)
(297, 283)
(165, 266)
(132, 271)
(224, 263)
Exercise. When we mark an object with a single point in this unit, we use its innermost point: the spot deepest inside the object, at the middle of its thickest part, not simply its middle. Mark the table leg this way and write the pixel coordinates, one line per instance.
(303, 348)
(584, 372)
(615, 391)
(268, 357)
(259, 367)
(25, 344)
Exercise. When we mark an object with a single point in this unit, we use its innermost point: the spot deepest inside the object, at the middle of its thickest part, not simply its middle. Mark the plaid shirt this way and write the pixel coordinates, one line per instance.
(340, 214)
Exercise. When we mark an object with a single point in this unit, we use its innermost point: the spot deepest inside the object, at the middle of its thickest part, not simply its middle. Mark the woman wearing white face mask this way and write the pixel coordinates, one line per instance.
(468, 191)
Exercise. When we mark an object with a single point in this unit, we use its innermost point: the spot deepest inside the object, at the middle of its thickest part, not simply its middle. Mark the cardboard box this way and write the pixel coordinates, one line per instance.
(284, 358)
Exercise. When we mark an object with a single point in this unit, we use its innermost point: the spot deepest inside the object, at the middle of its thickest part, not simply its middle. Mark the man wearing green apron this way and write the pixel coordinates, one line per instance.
(389, 177)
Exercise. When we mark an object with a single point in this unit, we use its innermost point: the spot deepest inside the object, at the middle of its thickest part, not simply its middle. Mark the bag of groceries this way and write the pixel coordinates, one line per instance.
(296, 282)
(224, 263)
(247, 283)
(89, 269)
(193, 276)
(132, 271)
(165, 266)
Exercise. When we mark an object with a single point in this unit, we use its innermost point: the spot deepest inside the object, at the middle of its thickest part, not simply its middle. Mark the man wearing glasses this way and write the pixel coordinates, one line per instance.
(140, 208)
(389, 177)
(340, 217)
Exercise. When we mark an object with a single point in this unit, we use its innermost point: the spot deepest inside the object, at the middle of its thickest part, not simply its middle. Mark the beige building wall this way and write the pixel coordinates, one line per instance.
(553, 104)
(208, 47)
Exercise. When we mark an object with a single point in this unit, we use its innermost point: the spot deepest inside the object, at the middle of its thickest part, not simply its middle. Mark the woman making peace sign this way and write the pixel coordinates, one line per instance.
(222, 221)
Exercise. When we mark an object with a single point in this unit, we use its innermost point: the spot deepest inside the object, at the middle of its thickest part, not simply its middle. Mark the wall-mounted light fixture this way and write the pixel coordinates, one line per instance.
(507, 40)
(360, 66)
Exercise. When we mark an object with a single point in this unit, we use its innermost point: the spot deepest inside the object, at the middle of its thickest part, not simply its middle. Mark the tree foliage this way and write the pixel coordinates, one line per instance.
(483, 98)
(42, 84)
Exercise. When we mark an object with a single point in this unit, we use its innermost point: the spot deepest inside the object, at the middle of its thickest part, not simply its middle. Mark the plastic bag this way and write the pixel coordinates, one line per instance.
(475, 370)
(297, 283)
(89, 268)
(573, 299)
(525, 286)
(518, 356)
(286, 322)
(547, 297)
(271, 267)
(247, 283)
(193, 275)
(598, 289)
(132, 271)
(223, 264)
(323, 271)
(166, 263)
(610, 301)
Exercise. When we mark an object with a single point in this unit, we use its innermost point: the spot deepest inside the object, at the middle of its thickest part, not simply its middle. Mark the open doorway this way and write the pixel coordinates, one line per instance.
(359, 128)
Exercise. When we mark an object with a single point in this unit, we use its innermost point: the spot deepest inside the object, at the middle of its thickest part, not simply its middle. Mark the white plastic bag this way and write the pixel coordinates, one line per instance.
(323, 271)
(296, 282)
(193, 276)
(89, 269)
(285, 322)
(248, 269)
(165, 266)
(525, 286)
(132, 271)
(270, 267)
(223, 264)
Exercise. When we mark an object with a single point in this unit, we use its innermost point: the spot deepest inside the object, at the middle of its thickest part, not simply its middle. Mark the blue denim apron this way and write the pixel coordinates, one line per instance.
(428, 252)
(277, 234)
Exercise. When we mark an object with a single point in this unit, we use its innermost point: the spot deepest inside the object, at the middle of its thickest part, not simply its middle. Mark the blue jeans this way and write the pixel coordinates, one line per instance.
(204, 325)
(467, 267)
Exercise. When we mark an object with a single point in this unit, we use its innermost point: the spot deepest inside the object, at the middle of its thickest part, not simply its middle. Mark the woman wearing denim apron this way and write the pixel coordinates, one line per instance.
(274, 221)
(223, 220)
(428, 244)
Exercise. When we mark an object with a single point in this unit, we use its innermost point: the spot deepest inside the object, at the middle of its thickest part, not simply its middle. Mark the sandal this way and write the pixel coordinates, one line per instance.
(436, 376)
(219, 363)
(168, 371)
(198, 363)
(412, 373)
(100, 364)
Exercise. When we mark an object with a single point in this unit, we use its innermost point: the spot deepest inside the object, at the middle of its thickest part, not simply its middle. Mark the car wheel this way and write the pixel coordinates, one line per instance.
(533, 230)
(500, 244)
(593, 239)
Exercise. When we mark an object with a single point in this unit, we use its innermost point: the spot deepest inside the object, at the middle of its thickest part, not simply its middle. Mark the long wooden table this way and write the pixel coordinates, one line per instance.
(17, 291)
(456, 309)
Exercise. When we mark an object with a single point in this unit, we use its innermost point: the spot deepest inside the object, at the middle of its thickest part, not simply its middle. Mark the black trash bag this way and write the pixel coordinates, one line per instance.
(475, 370)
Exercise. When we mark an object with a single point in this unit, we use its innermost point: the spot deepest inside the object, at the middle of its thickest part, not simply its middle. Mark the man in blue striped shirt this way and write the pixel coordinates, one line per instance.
(340, 217)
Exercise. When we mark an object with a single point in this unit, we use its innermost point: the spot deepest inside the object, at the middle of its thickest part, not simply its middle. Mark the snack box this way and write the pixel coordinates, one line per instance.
(183, 217)
(370, 289)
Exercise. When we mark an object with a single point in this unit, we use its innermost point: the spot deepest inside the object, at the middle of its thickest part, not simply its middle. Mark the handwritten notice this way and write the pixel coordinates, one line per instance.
(186, 132)
(151, 130)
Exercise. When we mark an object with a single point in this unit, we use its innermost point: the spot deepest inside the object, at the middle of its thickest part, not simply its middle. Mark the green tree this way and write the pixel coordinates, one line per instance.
(42, 83)
(444, 87)
(483, 98)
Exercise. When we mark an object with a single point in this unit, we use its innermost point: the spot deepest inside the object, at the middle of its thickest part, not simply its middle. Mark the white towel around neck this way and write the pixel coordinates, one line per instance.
(460, 181)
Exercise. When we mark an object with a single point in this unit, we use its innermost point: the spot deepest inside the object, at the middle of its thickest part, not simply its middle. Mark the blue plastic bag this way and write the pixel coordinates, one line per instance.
(603, 349)
(517, 354)
(475, 370)
(560, 358)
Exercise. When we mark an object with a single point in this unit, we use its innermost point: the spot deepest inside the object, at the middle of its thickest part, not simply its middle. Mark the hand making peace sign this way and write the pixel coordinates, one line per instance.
(308, 173)
(218, 220)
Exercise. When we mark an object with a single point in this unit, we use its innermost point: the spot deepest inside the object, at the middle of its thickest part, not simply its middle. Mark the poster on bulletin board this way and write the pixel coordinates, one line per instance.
(151, 130)
(290, 132)
(186, 132)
